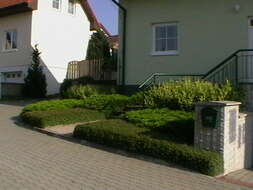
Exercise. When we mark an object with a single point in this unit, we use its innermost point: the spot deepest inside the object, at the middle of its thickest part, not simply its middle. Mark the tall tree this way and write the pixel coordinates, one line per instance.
(35, 81)
(99, 48)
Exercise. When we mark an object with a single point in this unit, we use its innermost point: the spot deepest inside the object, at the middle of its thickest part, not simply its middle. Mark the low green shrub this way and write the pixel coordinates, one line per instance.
(177, 123)
(126, 136)
(53, 105)
(80, 92)
(181, 95)
(111, 104)
(102, 87)
(43, 119)
(67, 83)
(85, 91)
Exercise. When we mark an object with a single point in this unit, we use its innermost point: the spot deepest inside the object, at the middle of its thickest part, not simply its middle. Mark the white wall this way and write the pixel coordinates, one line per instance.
(61, 37)
(19, 59)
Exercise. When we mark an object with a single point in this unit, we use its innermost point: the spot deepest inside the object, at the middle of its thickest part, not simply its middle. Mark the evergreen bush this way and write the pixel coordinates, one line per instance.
(35, 82)
(181, 95)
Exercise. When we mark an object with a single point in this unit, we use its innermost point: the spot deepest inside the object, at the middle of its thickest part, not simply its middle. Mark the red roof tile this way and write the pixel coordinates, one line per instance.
(8, 3)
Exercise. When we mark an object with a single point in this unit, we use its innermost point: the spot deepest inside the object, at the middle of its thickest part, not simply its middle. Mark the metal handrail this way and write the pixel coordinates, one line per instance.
(153, 76)
(225, 61)
(203, 76)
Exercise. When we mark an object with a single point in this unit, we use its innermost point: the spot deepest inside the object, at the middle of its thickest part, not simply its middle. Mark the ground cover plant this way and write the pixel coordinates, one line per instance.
(53, 105)
(176, 124)
(112, 105)
(43, 119)
(127, 136)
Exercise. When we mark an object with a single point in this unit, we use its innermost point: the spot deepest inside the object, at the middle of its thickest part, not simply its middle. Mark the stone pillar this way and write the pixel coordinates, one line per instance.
(216, 130)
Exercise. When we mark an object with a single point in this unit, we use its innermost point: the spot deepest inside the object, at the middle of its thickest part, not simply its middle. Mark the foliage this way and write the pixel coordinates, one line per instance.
(120, 134)
(110, 104)
(102, 87)
(53, 105)
(175, 123)
(44, 119)
(99, 48)
(67, 83)
(183, 94)
(80, 92)
(35, 82)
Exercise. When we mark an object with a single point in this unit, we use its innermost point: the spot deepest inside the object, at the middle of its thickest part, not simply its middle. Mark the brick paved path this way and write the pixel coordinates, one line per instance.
(31, 160)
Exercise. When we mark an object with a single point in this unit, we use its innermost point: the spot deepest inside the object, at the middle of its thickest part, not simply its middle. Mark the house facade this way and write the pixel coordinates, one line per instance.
(181, 37)
(61, 28)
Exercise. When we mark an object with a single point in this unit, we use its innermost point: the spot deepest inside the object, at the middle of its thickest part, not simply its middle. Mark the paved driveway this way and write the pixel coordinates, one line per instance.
(31, 160)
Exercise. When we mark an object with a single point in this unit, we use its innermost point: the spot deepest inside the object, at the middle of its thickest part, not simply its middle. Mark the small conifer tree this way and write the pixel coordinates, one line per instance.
(35, 81)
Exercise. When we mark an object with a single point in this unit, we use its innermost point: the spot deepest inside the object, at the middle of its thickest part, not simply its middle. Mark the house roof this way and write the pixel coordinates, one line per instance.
(8, 7)
(8, 3)
(94, 24)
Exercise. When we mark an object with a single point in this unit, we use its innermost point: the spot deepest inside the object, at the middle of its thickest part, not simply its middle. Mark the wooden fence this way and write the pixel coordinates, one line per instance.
(92, 68)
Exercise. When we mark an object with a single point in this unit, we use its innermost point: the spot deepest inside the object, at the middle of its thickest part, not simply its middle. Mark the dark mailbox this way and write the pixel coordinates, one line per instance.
(209, 117)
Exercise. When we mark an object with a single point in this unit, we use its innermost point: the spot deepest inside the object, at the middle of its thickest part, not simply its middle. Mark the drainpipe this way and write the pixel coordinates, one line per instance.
(124, 11)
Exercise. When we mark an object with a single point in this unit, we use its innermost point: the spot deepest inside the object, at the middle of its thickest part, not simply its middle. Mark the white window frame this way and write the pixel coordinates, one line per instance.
(74, 7)
(60, 3)
(12, 31)
(170, 52)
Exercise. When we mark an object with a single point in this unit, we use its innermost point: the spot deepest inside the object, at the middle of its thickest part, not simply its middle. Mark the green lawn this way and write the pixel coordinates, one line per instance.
(44, 119)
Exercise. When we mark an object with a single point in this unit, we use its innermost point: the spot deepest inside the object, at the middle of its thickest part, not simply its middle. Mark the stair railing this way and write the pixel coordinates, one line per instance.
(237, 68)
(155, 79)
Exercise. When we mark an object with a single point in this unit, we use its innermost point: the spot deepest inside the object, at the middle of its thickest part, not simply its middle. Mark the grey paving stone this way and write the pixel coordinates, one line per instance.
(31, 160)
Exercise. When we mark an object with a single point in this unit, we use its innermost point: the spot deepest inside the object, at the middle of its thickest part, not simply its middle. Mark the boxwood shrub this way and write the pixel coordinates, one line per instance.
(111, 104)
(171, 122)
(183, 94)
(43, 119)
(53, 105)
(120, 134)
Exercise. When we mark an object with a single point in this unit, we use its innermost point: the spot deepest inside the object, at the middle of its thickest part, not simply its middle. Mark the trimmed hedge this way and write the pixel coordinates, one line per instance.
(175, 123)
(53, 105)
(181, 95)
(123, 135)
(43, 119)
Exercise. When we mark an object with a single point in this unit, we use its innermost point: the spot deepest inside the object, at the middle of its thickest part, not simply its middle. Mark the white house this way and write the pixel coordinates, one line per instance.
(164, 38)
(61, 28)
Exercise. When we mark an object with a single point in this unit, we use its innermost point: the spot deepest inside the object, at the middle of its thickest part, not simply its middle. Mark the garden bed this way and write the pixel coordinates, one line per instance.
(127, 136)
(43, 119)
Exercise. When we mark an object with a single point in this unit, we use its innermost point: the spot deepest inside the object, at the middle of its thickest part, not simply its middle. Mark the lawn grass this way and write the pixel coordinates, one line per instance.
(174, 123)
(43, 119)
(53, 105)
(124, 135)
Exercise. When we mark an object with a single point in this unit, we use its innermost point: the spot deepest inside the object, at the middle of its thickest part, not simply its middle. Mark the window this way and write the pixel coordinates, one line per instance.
(13, 75)
(165, 39)
(57, 4)
(10, 40)
(72, 7)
